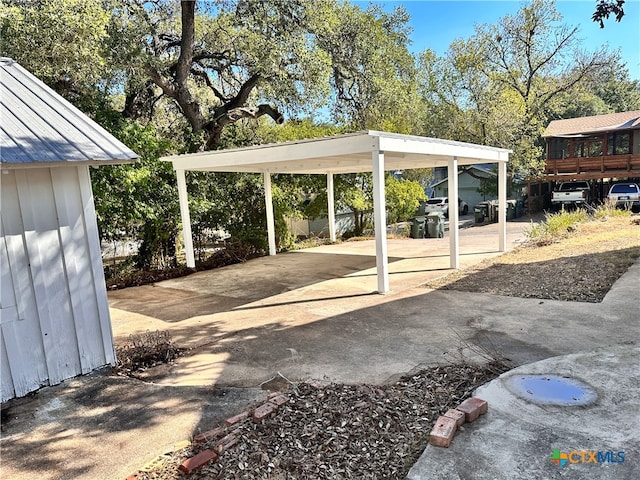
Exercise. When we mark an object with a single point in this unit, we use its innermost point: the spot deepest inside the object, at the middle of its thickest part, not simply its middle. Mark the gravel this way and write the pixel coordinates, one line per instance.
(339, 431)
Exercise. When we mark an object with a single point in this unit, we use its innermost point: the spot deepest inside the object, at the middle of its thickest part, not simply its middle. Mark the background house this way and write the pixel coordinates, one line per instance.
(601, 149)
(319, 226)
(54, 316)
(469, 181)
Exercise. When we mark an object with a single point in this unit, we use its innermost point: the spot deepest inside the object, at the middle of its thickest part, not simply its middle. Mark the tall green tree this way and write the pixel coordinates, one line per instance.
(223, 62)
(64, 43)
(373, 74)
(500, 83)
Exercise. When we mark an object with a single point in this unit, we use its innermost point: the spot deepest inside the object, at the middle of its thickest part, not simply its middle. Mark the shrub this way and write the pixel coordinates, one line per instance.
(146, 350)
(556, 226)
(608, 209)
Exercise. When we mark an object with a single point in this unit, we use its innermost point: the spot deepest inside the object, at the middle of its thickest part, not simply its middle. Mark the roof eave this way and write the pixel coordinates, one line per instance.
(65, 163)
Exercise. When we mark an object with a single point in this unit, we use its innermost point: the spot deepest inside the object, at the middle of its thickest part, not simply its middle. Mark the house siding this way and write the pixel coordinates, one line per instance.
(54, 321)
(467, 190)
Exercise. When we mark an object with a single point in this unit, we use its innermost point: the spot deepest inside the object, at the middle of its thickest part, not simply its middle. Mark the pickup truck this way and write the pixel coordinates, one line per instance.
(571, 194)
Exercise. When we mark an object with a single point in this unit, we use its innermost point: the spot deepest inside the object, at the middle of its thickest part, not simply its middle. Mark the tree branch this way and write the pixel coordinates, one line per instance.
(207, 80)
(186, 42)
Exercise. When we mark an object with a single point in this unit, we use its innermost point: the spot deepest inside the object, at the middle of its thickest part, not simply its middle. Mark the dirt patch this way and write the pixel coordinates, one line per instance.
(580, 268)
(144, 351)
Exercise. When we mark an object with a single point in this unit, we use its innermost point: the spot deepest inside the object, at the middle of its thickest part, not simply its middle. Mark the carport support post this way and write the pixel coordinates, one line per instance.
(452, 173)
(271, 226)
(502, 206)
(186, 218)
(331, 209)
(380, 221)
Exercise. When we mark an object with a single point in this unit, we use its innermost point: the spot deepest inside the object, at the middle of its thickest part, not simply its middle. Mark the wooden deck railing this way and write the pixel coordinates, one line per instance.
(610, 164)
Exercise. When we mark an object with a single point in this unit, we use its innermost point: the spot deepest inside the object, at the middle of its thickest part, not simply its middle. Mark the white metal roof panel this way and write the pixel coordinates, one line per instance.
(38, 126)
(349, 153)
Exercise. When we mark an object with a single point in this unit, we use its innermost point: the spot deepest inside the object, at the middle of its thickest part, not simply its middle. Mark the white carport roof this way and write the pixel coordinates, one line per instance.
(368, 151)
(349, 153)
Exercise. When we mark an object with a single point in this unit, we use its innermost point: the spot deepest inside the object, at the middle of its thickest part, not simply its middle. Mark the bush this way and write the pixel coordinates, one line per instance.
(609, 209)
(556, 226)
(145, 350)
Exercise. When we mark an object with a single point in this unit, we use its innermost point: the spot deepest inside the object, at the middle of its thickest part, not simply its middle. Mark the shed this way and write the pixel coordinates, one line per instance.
(367, 151)
(54, 315)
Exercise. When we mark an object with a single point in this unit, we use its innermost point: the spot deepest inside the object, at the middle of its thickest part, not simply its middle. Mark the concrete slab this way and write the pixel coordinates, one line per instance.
(107, 427)
(517, 438)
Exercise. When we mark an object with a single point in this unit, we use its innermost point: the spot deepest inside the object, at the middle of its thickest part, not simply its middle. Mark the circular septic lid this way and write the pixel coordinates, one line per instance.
(551, 390)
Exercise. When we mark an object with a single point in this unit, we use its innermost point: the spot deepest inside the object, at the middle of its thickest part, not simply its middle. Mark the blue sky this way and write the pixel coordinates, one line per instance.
(436, 23)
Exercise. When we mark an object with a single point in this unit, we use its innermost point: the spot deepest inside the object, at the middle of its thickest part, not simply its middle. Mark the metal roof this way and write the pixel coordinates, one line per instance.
(594, 124)
(446, 179)
(349, 153)
(38, 127)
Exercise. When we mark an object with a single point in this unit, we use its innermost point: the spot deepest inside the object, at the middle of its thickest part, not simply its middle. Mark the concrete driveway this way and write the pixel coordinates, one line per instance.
(308, 314)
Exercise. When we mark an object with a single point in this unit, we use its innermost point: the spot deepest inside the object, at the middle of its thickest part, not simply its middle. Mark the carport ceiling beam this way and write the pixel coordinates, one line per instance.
(274, 154)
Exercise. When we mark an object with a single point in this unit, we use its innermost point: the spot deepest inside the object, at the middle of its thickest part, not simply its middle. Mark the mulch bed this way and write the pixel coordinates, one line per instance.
(339, 431)
(229, 254)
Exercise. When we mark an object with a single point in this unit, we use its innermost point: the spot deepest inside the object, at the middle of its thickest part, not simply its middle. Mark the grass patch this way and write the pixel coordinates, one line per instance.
(555, 226)
(609, 209)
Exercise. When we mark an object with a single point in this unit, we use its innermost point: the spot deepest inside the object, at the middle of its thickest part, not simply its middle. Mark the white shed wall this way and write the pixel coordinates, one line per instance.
(54, 315)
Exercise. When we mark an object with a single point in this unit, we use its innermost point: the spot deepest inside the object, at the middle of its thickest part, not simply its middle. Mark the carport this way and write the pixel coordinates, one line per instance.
(368, 151)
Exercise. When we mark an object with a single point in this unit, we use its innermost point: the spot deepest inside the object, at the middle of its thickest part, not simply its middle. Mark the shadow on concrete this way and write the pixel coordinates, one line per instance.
(306, 300)
(104, 426)
(224, 289)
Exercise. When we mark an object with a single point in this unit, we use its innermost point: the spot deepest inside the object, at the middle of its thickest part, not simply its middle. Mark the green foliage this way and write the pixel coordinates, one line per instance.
(307, 58)
(373, 73)
(502, 86)
(556, 226)
(139, 200)
(421, 175)
(355, 192)
(62, 42)
(295, 129)
(403, 198)
(610, 209)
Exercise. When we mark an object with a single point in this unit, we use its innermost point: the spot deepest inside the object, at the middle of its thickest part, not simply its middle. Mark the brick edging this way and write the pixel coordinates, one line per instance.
(446, 426)
(227, 434)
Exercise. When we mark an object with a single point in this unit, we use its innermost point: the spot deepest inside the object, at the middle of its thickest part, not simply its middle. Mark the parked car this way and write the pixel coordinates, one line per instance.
(625, 195)
(441, 204)
(571, 194)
